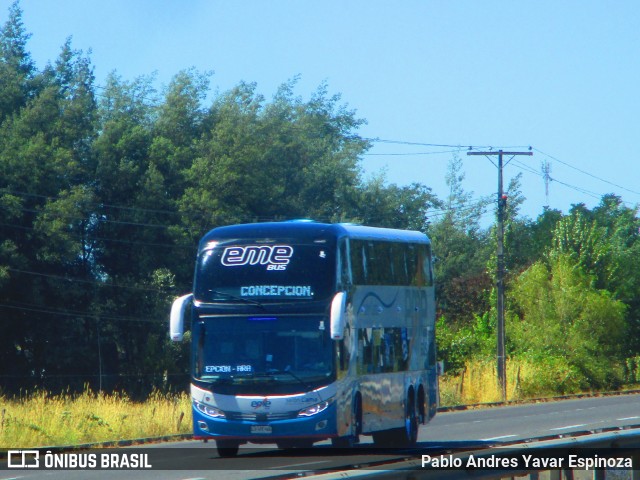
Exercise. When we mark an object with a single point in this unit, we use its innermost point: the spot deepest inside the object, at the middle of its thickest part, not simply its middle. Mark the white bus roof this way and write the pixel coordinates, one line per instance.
(311, 230)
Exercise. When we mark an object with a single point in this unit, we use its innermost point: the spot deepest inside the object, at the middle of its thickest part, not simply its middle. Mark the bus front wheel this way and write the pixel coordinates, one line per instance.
(349, 441)
(227, 448)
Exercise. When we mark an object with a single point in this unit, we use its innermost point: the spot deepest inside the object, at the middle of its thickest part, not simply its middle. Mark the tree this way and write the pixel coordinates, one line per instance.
(462, 251)
(586, 242)
(283, 159)
(520, 246)
(45, 140)
(391, 206)
(16, 66)
(559, 316)
(142, 246)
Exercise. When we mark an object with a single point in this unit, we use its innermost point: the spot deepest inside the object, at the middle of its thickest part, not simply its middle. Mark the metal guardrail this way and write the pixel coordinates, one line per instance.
(529, 401)
(593, 455)
(411, 466)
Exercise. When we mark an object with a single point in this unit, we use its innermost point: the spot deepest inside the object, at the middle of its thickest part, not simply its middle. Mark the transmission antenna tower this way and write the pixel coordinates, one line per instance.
(546, 171)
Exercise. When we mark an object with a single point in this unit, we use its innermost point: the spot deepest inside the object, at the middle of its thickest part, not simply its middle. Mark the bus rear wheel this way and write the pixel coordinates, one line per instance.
(405, 436)
(409, 435)
(227, 448)
(384, 439)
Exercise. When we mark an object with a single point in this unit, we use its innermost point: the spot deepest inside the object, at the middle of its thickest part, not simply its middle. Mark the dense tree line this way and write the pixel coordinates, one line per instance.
(572, 298)
(106, 189)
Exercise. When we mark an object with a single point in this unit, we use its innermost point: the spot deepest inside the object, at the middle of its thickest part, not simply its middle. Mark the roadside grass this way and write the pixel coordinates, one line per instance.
(39, 419)
(477, 383)
(527, 379)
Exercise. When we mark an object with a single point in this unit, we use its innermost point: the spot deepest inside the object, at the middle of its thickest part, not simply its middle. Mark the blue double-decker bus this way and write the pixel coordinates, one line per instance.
(305, 331)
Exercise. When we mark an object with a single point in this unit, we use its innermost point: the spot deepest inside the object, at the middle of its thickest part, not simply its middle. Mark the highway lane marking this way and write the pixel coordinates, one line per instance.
(628, 418)
(496, 438)
(569, 426)
(297, 465)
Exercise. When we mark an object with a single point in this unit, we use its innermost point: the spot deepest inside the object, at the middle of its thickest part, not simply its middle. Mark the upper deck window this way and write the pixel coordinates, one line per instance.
(391, 263)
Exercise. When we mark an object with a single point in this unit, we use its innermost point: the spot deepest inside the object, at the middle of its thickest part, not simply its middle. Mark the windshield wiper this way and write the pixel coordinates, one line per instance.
(273, 371)
(230, 380)
(235, 297)
(217, 381)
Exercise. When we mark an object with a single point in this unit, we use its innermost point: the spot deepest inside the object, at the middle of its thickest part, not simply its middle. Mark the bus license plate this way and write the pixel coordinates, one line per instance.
(261, 429)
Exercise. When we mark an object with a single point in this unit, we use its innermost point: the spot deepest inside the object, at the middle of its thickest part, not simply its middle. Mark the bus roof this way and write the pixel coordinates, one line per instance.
(310, 230)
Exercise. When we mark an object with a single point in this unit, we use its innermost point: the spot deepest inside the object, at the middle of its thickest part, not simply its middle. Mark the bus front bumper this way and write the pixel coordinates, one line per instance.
(318, 426)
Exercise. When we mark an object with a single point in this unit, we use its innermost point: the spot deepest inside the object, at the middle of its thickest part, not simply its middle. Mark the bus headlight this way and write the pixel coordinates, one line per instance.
(315, 409)
(209, 410)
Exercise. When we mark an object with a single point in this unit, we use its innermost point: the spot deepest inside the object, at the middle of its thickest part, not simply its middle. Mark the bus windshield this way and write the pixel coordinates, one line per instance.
(289, 349)
(277, 271)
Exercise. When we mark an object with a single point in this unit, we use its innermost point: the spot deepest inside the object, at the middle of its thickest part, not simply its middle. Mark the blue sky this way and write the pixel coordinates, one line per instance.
(562, 77)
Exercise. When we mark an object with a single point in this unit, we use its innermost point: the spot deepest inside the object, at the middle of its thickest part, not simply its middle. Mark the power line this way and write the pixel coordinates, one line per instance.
(456, 148)
(74, 314)
(587, 173)
(90, 282)
(526, 167)
(93, 204)
(98, 218)
(491, 148)
(578, 189)
(112, 240)
(470, 205)
(192, 215)
(434, 212)
(407, 154)
(442, 145)
(553, 179)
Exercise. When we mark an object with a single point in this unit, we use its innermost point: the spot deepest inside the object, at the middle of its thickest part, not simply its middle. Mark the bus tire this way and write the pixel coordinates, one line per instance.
(422, 406)
(384, 439)
(349, 441)
(409, 434)
(405, 436)
(227, 448)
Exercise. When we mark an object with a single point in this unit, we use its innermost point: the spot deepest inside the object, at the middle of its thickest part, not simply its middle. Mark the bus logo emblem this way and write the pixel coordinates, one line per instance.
(275, 257)
(264, 403)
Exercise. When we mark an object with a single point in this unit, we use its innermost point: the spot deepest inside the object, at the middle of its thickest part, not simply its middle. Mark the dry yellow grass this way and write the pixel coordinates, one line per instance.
(40, 419)
(478, 383)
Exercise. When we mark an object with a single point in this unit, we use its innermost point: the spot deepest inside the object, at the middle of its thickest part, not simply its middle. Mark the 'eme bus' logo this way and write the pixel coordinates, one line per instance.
(275, 257)
(265, 403)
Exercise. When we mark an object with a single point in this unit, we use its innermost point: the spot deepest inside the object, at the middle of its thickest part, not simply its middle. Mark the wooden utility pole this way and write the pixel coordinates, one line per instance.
(502, 203)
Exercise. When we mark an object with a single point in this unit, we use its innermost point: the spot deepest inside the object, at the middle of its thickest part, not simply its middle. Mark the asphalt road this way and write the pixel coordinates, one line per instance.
(448, 431)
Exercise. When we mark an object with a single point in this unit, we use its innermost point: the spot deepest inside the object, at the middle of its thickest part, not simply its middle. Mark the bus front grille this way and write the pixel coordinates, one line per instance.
(260, 417)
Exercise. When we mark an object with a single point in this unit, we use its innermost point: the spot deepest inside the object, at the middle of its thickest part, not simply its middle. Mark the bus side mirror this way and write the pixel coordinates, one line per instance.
(338, 316)
(176, 320)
